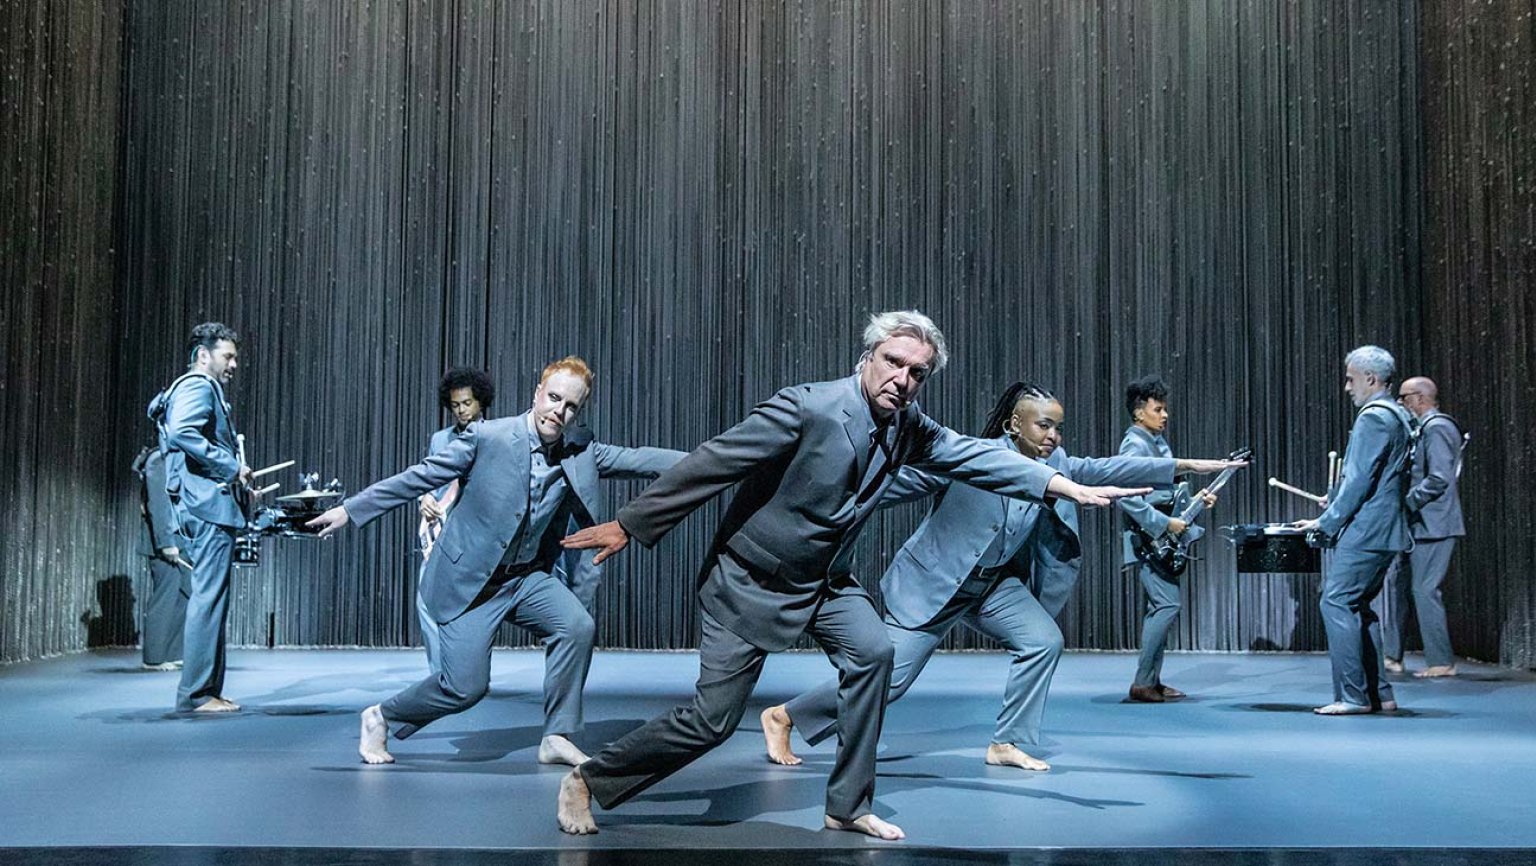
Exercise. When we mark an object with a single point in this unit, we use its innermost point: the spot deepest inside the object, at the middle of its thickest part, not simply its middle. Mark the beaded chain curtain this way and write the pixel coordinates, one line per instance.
(707, 199)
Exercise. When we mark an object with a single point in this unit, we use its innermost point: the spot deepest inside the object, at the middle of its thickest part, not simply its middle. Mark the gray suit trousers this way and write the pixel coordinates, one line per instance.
(429, 632)
(846, 626)
(1351, 582)
(1007, 612)
(1162, 609)
(209, 547)
(1419, 574)
(165, 612)
(537, 602)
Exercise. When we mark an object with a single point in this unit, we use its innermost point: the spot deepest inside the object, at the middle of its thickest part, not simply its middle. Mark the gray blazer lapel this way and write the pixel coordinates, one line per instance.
(522, 461)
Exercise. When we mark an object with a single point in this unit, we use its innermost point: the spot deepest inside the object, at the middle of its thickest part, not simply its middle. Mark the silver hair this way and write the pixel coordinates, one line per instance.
(910, 323)
(1373, 360)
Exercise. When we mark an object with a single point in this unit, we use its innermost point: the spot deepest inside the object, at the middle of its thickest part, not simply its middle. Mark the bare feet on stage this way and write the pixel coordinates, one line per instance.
(869, 825)
(556, 749)
(217, 705)
(1009, 755)
(1434, 671)
(1341, 708)
(574, 808)
(370, 744)
(776, 728)
(1393, 666)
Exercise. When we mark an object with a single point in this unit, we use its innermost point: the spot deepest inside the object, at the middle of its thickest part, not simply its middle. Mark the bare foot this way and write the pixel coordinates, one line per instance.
(1434, 671)
(370, 743)
(776, 728)
(1341, 708)
(1393, 666)
(556, 749)
(217, 705)
(1389, 706)
(574, 808)
(1009, 755)
(869, 825)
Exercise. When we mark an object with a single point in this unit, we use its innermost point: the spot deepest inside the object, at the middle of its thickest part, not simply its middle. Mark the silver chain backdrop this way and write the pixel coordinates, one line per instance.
(705, 200)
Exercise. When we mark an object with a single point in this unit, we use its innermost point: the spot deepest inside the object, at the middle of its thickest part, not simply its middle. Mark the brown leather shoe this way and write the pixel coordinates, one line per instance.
(1146, 695)
(1170, 693)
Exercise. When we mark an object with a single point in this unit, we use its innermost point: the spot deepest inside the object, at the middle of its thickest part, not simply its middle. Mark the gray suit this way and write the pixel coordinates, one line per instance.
(574, 568)
(170, 582)
(1150, 512)
(1434, 518)
(974, 560)
(202, 470)
(1365, 514)
(466, 585)
(811, 473)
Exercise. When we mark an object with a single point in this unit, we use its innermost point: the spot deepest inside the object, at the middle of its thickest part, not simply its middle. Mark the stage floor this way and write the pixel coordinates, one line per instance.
(89, 756)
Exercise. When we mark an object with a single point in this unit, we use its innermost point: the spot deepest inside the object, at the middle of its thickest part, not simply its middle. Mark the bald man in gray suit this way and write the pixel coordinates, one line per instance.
(812, 462)
(1434, 517)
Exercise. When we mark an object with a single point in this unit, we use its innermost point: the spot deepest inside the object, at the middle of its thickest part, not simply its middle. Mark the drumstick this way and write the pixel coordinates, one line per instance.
(1333, 468)
(1277, 483)
(273, 468)
(268, 489)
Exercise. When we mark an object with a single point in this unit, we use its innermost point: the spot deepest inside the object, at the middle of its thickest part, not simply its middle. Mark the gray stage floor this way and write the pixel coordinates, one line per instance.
(88, 756)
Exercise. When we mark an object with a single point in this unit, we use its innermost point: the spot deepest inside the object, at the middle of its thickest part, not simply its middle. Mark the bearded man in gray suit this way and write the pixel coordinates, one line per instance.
(1434, 517)
(977, 559)
(1366, 520)
(203, 472)
(521, 481)
(813, 462)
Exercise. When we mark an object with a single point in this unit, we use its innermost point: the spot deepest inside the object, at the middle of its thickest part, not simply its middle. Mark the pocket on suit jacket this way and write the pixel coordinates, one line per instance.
(753, 554)
(448, 546)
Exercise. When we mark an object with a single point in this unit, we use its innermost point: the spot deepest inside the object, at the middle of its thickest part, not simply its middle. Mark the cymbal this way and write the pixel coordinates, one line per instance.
(307, 495)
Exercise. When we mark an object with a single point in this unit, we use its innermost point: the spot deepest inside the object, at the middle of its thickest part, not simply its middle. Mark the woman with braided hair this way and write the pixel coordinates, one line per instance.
(1002, 567)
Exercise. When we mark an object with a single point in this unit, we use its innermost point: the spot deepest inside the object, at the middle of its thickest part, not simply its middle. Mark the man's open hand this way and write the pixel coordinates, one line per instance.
(609, 538)
(330, 521)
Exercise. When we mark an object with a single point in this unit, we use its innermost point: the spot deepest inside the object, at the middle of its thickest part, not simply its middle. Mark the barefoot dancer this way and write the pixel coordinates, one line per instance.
(1002, 566)
(812, 463)
(520, 480)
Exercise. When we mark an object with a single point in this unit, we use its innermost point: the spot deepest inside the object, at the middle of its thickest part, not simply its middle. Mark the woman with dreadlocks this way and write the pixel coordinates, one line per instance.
(971, 562)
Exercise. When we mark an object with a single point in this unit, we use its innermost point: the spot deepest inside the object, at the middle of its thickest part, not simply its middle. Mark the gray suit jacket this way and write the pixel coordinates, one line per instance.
(491, 461)
(202, 454)
(964, 521)
(1365, 509)
(154, 504)
(808, 484)
(1434, 504)
(1143, 510)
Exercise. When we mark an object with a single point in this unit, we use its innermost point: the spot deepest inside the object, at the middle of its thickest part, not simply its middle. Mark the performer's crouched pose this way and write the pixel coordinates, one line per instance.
(1001, 566)
(1367, 519)
(521, 480)
(813, 462)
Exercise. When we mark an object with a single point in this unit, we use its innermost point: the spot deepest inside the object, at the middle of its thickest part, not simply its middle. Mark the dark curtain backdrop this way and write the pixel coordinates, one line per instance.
(63, 584)
(1479, 74)
(706, 199)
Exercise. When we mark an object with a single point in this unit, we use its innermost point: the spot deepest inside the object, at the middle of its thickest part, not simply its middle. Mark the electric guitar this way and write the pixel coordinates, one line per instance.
(1168, 554)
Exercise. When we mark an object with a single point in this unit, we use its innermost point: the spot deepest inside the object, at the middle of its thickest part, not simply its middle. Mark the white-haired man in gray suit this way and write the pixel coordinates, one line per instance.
(1366, 519)
(812, 462)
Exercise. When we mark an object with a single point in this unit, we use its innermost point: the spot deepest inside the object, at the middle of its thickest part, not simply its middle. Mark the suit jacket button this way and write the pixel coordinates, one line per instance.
(994, 527)
(503, 545)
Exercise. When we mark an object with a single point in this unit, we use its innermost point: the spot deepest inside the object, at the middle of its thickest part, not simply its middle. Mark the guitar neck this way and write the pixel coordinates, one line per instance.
(1197, 507)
